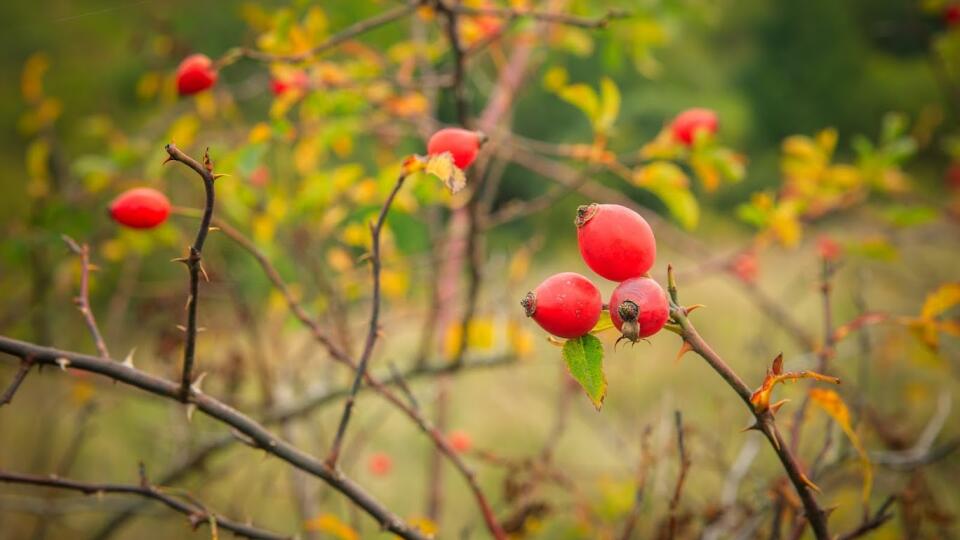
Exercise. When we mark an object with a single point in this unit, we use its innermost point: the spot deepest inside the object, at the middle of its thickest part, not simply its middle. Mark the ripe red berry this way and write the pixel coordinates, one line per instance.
(295, 81)
(460, 440)
(140, 208)
(380, 464)
(567, 305)
(745, 267)
(951, 14)
(615, 242)
(195, 74)
(686, 125)
(828, 248)
(462, 144)
(638, 308)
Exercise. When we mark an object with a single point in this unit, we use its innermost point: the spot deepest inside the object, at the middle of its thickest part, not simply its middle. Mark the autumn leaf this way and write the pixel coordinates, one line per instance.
(760, 399)
(441, 166)
(605, 323)
(927, 326)
(584, 358)
(833, 405)
(331, 525)
(867, 319)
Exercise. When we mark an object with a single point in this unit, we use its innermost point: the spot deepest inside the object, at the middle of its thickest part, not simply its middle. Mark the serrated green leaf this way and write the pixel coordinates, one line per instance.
(584, 358)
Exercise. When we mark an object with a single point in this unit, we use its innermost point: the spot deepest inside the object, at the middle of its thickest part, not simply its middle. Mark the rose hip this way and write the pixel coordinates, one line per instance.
(462, 144)
(140, 208)
(615, 242)
(638, 308)
(686, 125)
(567, 305)
(195, 74)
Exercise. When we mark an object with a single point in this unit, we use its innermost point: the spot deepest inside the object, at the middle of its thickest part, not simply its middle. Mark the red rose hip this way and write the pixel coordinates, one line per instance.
(462, 144)
(567, 305)
(615, 242)
(195, 74)
(638, 308)
(297, 81)
(140, 208)
(686, 125)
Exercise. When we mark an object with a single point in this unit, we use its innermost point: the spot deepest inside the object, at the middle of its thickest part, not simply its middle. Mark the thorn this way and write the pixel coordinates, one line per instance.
(776, 406)
(219, 175)
(168, 160)
(752, 427)
(204, 272)
(809, 483)
(128, 360)
(690, 309)
(197, 382)
(684, 349)
(187, 305)
(63, 363)
(183, 260)
(213, 229)
(190, 408)
(207, 164)
(201, 329)
(181, 328)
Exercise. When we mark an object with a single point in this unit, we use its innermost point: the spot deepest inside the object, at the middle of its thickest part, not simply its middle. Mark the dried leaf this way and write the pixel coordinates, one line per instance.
(331, 525)
(441, 166)
(775, 374)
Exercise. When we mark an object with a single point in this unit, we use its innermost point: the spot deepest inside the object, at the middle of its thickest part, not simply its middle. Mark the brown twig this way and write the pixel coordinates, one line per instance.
(340, 37)
(881, 516)
(459, 61)
(193, 260)
(374, 324)
(253, 431)
(557, 18)
(681, 475)
(764, 419)
(82, 300)
(26, 363)
(643, 472)
(195, 512)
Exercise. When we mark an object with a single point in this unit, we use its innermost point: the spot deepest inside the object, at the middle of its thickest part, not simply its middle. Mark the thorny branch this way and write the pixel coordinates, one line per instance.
(681, 475)
(256, 434)
(374, 324)
(26, 362)
(82, 300)
(194, 260)
(764, 419)
(197, 513)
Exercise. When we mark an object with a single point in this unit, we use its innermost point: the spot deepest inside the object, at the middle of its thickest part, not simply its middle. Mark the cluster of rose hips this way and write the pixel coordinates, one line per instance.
(618, 244)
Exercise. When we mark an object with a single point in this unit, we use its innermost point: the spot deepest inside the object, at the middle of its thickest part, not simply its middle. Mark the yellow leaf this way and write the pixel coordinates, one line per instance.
(394, 283)
(521, 339)
(833, 405)
(183, 130)
(261, 132)
(149, 85)
(441, 166)
(609, 105)
(31, 80)
(940, 300)
(583, 97)
(331, 524)
(479, 336)
(555, 79)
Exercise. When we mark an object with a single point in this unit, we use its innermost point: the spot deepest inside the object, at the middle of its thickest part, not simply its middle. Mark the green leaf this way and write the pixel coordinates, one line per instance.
(681, 203)
(584, 358)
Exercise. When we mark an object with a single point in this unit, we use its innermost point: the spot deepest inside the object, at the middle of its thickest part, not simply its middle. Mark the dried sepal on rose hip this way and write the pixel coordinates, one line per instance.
(140, 208)
(638, 308)
(195, 74)
(615, 242)
(462, 144)
(566, 305)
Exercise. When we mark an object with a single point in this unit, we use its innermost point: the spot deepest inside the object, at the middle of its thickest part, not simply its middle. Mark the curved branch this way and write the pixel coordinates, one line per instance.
(195, 512)
(251, 429)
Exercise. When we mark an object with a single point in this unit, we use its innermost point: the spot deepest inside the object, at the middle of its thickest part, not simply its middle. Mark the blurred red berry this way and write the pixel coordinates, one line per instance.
(260, 176)
(195, 74)
(638, 308)
(686, 125)
(462, 144)
(295, 81)
(460, 440)
(828, 248)
(140, 208)
(380, 464)
(951, 14)
(567, 305)
(615, 241)
(953, 176)
(746, 267)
